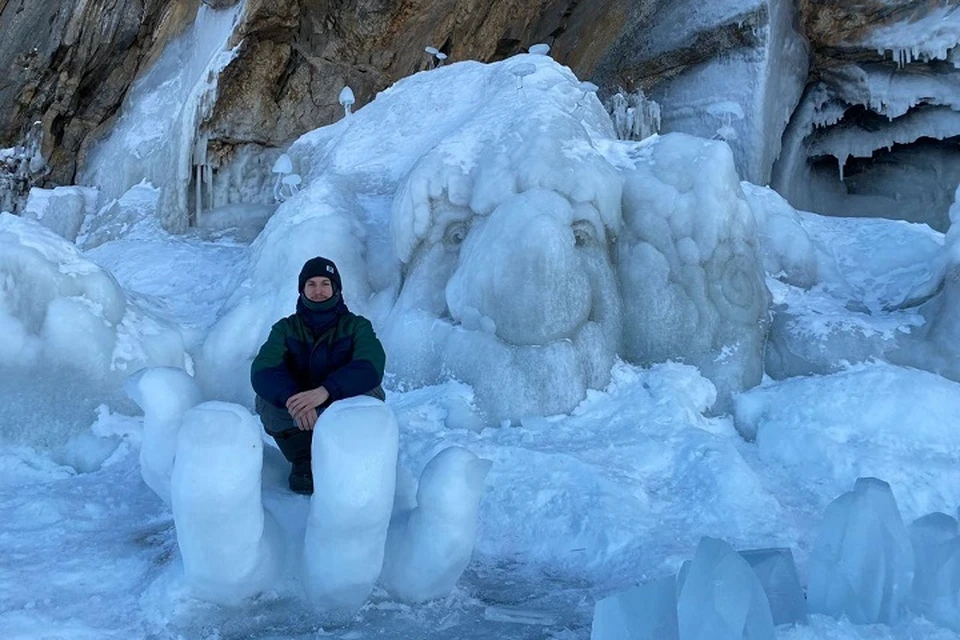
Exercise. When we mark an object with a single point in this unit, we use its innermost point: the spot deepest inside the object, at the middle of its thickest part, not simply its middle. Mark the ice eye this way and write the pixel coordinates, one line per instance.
(455, 234)
(583, 233)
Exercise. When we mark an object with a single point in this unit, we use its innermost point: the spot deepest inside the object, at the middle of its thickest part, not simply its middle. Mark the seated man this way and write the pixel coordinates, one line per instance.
(318, 355)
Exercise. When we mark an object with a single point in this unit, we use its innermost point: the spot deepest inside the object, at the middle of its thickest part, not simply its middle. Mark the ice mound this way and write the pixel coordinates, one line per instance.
(429, 546)
(58, 309)
(833, 429)
(134, 212)
(861, 565)
(61, 209)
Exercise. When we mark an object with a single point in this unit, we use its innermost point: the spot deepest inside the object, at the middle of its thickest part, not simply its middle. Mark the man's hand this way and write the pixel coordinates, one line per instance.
(300, 403)
(306, 420)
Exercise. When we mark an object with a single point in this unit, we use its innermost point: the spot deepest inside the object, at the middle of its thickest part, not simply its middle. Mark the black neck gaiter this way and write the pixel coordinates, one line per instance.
(320, 316)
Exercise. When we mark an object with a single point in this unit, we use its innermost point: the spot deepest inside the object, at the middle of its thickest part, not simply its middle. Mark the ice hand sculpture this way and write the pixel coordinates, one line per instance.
(206, 461)
(429, 547)
(164, 394)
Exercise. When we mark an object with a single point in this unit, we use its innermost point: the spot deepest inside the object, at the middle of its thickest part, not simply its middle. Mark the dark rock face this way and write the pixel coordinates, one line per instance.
(69, 63)
(296, 57)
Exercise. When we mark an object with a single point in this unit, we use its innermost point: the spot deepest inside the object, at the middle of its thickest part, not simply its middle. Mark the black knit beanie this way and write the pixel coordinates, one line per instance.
(320, 267)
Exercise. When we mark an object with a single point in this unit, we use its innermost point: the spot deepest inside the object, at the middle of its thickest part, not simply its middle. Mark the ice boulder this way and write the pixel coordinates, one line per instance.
(354, 451)
(429, 547)
(778, 576)
(231, 547)
(645, 612)
(61, 209)
(861, 565)
(721, 597)
(936, 579)
(164, 394)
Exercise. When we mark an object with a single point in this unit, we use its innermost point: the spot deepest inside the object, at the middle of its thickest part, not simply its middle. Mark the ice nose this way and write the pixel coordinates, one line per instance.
(521, 270)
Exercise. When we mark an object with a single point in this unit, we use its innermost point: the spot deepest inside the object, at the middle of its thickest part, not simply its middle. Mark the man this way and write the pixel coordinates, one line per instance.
(318, 355)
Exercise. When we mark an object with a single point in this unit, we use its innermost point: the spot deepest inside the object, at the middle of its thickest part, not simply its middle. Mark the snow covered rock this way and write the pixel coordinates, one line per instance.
(861, 565)
(429, 546)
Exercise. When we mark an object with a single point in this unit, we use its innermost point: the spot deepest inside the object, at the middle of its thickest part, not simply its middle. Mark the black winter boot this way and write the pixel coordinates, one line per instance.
(295, 446)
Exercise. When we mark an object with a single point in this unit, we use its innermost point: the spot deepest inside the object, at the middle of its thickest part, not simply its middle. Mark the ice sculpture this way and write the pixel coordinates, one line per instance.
(511, 241)
(689, 265)
(861, 565)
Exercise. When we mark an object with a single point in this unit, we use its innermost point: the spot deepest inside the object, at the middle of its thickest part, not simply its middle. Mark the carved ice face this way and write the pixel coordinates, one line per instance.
(521, 303)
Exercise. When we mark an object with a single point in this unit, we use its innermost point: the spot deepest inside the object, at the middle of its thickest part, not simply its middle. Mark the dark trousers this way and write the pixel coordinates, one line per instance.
(279, 425)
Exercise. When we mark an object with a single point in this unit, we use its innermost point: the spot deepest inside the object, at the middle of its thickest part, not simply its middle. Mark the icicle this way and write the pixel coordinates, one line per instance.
(843, 163)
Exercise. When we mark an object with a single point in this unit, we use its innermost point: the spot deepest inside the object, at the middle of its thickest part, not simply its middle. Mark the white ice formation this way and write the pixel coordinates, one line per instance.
(354, 474)
(429, 546)
(231, 547)
(61, 209)
(61, 310)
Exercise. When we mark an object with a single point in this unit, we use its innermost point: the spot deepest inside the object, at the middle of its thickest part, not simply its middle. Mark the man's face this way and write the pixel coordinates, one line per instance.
(318, 289)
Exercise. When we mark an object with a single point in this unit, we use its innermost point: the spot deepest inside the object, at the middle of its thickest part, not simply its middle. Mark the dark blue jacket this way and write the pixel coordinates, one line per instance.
(348, 360)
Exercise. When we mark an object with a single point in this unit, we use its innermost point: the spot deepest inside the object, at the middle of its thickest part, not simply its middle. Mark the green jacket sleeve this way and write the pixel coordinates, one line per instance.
(269, 374)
